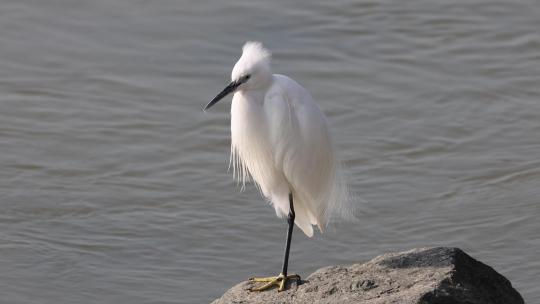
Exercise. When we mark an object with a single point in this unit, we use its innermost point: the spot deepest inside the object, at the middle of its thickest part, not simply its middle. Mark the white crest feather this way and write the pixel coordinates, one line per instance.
(254, 52)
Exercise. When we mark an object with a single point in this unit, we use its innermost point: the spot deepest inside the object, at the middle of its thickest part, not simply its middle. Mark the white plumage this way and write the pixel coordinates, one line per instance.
(280, 138)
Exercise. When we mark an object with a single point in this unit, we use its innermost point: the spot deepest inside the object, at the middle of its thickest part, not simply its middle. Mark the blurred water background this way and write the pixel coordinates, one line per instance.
(114, 185)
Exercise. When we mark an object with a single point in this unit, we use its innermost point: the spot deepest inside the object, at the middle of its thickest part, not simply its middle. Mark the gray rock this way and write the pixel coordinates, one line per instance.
(427, 275)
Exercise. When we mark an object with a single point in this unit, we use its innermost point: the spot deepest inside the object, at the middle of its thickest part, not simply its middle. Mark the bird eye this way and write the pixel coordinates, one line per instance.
(246, 77)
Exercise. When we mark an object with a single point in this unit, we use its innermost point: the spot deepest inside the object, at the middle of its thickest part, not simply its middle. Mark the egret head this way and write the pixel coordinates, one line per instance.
(251, 72)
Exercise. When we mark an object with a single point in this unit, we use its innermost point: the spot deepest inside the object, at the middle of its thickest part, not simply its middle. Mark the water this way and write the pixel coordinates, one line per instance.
(114, 185)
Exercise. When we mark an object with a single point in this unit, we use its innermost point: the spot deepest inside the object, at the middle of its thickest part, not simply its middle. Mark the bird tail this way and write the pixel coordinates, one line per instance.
(340, 200)
(319, 206)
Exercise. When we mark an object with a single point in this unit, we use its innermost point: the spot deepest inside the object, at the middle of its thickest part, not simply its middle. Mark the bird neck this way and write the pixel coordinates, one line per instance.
(253, 97)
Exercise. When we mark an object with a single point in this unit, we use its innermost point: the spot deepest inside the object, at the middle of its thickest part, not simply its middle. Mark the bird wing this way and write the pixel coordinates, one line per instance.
(303, 151)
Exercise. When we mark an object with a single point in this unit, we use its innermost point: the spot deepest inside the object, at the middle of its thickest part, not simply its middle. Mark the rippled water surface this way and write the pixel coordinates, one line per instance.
(114, 184)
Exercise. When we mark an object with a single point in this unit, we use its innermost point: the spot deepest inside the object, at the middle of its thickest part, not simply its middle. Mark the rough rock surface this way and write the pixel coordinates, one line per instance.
(426, 275)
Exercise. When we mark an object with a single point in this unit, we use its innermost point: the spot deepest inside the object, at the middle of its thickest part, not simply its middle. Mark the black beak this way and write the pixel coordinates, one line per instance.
(228, 89)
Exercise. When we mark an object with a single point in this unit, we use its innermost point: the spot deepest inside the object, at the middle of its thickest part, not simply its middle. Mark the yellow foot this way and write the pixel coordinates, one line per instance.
(280, 281)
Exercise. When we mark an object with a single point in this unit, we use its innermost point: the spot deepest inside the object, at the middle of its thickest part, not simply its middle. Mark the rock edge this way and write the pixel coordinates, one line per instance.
(440, 275)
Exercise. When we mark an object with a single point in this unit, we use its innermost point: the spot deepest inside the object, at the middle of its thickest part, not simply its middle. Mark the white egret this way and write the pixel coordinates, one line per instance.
(280, 138)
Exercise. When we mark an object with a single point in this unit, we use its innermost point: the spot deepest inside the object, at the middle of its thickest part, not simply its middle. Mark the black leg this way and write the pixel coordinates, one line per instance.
(282, 278)
(290, 220)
